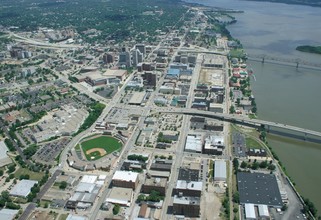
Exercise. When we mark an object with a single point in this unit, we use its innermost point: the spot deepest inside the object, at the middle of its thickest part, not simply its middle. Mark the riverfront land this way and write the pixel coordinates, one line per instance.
(309, 49)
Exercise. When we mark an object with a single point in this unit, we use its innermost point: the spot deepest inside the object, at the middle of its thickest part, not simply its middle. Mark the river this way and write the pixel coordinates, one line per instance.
(283, 93)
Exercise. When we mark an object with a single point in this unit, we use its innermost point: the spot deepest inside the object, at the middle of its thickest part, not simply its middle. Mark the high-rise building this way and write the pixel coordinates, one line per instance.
(108, 58)
(150, 78)
(125, 59)
(141, 48)
(137, 57)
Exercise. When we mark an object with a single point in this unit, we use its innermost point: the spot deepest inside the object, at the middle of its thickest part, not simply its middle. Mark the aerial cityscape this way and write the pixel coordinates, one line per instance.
(145, 109)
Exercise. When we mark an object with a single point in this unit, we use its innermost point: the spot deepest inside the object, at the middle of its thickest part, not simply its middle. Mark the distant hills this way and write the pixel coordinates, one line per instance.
(315, 3)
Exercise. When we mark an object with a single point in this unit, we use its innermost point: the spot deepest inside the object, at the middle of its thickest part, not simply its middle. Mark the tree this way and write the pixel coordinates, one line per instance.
(63, 185)
(271, 167)
(236, 197)
(232, 109)
(141, 198)
(1, 172)
(263, 164)
(254, 166)
(243, 164)
(116, 209)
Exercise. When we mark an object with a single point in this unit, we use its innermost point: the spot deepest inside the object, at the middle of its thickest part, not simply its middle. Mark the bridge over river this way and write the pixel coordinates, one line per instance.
(283, 129)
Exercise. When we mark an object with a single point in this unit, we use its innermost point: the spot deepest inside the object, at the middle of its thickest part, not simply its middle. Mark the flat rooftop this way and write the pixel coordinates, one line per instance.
(23, 188)
(186, 200)
(122, 196)
(193, 185)
(125, 176)
(259, 188)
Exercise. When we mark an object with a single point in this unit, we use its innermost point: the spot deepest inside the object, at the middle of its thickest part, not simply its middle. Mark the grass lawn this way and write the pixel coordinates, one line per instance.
(63, 216)
(251, 143)
(33, 175)
(108, 143)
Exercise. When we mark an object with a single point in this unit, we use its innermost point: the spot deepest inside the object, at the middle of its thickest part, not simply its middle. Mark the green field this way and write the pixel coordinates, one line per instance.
(33, 175)
(251, 143)
(108, 143)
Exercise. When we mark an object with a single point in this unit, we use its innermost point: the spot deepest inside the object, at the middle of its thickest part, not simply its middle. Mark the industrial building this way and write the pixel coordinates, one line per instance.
(194, 143)
(259, 189)
(4, 158)
(22, 188)
(187, 206)
(214, 144)
(137, 98)
(125, 179)
(154, 183)
(220, 170)
(121, 196)
(188, 188)
(8, 214)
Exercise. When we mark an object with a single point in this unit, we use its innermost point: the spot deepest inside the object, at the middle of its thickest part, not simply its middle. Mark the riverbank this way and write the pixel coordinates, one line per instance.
(309, 49)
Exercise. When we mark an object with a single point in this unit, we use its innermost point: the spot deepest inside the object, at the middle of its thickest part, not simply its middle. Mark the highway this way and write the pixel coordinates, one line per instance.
(238, 118)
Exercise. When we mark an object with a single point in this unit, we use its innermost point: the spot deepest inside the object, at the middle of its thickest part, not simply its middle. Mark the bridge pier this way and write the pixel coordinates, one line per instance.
(268, 129)
(263, 60)
(305, 136)
(297, 65)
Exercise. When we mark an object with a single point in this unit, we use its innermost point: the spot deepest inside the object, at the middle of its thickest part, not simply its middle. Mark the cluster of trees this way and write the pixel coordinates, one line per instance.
(9, 144)
(5, 201)
(116, 209)
(30, 151)
(161, 138)
(95, 111)
(115, 20)
(255, 165)
(137, 157)
(154, 196)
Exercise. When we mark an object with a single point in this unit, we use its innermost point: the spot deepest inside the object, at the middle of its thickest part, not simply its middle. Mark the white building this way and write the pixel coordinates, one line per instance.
(249, 211)
(23, 188)
(220, 170)
(4, 158)
(193, 143)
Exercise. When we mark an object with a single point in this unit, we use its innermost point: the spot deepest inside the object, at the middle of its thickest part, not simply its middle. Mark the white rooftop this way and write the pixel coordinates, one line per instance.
(102, 177)
(193, 185)
(23, 188)
(193, 143)
(8, 214)
(125, 176)
(220, 169)
(249, 211)
(88, 179)
(85, 187)
(75, 217)
(4, 158)
(263, 211)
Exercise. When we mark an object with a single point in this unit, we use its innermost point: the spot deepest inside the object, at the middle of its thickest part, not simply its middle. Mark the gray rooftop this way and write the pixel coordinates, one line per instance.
(259, 188)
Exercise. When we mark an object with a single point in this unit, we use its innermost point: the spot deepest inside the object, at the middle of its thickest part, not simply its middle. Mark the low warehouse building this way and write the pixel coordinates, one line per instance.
(220, 170)
(125, 179)
(120, 196)
(4, 158)
(23, 188)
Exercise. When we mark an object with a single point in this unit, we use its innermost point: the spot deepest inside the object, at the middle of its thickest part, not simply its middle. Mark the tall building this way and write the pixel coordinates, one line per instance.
(125, 59)
(141, 48)
(108, 58)
(137, 57)
(150, 78)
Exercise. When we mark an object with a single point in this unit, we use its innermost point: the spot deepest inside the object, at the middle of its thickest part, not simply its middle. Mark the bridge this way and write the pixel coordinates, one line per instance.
(242, 120)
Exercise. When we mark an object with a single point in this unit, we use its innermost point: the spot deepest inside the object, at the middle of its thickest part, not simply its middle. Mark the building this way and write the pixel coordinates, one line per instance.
(108, 58)
(159, 174)
(150, 78)
(161, 167)
(75, 217)
(188, 188)
(214, 144)
(8, 214)
(187, 206)
(141, 48)
(154, 183)
(143, 211)
(4, 158)
(263, 212)
(249, 211)
(125, 179)
(120, 196)
(256, 152)
(220, 170)
(125, 59)
(115, 73)
(28, 71)
(22, 188)
(194, 143)
(259, 189)
(188, 175)
(137, 98)
(137, 57)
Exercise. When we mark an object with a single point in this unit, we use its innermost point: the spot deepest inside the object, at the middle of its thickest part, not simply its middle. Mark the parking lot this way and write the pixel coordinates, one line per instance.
(49, 151)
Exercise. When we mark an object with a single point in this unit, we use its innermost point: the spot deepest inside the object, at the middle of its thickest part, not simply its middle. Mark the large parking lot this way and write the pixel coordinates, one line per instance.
(49, 151)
